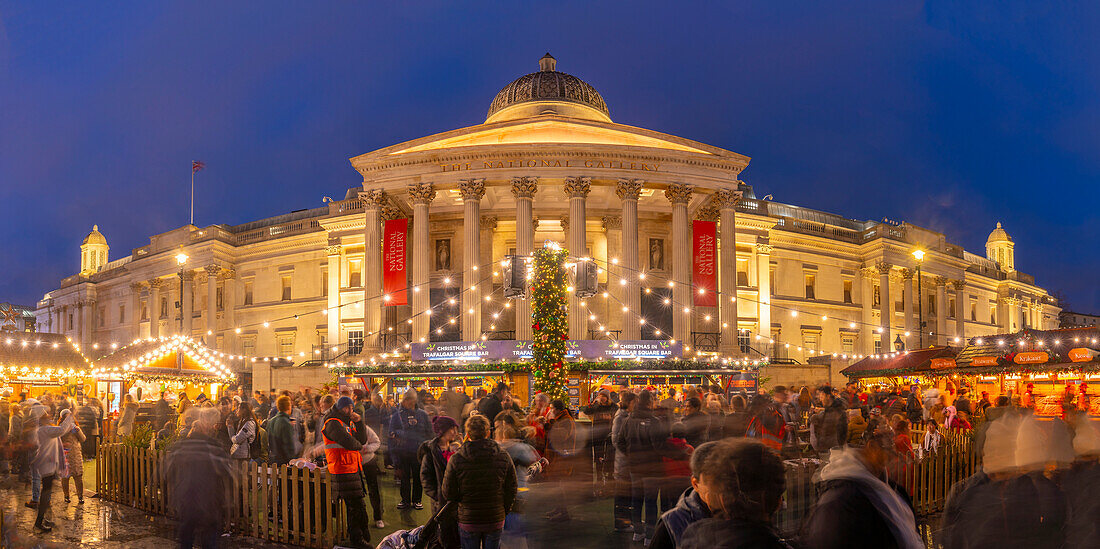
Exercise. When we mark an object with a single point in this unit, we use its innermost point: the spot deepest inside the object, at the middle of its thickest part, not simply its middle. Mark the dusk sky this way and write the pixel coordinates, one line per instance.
(948, 115)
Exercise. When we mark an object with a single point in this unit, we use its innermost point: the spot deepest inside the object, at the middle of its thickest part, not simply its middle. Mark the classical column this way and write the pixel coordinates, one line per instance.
(154, 307)
(962, 309)
(472, 191)
(941, 309)
(421, 195)
(907, 288)
(727, 270)
(576, 241)
(867, 302)
(611, 314)
(885, 305)
(679, 194)
(764, 286)
(135, 307)
(332, 317)
(628, 191)
(187, 302)
(485, 286)
(524, 189)
(229, 309)
(80, 306)
(373, 201)
(212, 272)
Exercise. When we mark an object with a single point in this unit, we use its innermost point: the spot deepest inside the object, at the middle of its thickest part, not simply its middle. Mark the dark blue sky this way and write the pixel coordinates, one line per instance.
(949, 115)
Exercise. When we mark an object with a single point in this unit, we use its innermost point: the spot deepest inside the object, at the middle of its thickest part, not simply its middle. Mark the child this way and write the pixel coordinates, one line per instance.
(932, 441)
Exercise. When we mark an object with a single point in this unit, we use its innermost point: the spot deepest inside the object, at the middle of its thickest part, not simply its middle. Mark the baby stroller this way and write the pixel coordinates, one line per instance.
(421, 537)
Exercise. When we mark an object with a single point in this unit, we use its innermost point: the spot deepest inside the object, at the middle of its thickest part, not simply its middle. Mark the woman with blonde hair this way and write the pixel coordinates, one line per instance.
(128, 416)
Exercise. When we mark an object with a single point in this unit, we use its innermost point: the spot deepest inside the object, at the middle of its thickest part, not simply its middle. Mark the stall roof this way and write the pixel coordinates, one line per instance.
(913, 362)
(46, 351)
(1000, 346)
(176, 355)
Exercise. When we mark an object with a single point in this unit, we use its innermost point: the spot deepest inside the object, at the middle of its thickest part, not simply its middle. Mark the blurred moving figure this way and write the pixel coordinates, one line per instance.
(199, 477)
(481, 478)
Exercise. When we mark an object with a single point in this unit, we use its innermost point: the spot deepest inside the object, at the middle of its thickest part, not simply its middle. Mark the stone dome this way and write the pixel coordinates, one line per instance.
(999, 235)
(95, 237)
(548, 86)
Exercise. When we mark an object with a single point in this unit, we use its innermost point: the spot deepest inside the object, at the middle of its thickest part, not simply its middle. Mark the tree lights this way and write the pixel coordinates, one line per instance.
(550, 321)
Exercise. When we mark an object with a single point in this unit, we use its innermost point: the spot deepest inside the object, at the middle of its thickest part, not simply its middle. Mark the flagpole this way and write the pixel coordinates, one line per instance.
(192, 222)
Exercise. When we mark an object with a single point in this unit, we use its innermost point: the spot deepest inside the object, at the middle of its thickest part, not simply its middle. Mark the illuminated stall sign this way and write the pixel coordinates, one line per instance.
(522, 350)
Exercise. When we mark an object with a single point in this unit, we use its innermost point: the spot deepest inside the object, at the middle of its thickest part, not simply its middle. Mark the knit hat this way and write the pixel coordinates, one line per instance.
(442, 424)
(344, 402)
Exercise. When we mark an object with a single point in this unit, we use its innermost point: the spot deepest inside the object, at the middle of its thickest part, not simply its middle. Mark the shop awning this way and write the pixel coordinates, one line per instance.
(1032, 350)
(166, 358)
(905, 363)
(29, 357)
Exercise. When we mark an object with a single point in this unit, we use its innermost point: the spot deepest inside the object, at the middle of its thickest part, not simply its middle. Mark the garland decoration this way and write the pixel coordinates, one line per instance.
(550, 321)
(655, 365)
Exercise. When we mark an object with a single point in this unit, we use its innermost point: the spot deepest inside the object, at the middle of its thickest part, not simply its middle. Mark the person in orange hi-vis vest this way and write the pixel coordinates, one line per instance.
(344, 434)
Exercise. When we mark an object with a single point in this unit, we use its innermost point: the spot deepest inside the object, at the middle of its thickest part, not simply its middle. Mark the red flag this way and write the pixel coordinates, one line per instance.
(196, 166)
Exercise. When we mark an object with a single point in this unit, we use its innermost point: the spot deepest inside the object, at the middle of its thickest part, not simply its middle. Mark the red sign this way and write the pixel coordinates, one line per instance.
(394, 281)
(941, 363)
(1031, 357)
(984, 361)
(704, 264)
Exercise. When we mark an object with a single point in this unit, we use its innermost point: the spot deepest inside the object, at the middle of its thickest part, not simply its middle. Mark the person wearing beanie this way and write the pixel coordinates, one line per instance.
(344, 435)
(409, 428)
(434, 455)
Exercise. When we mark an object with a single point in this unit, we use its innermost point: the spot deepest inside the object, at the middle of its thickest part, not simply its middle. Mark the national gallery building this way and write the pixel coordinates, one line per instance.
(415, 255)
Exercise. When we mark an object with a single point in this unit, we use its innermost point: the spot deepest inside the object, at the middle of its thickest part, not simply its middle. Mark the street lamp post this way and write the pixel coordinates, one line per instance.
(181, 260)
(919, 255)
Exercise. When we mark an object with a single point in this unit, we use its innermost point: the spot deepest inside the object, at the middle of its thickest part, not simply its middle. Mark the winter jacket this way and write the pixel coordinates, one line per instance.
(856, 427)
(199, 476)
(489, 407)
(161, 412)
(432, 467)
(670, 528)
(241, 438)
(622, 468)
(1026, 511)
(126, 420)
(482, 479)
(50, 457)
(830, 427)
(695, 428)
(280, 439)
(347, 485)
(734, 424)
(601, 415)
(676, 457)
(408, 430)
(1081, 484)
(715, 533)
(641, 438)
(523, 457)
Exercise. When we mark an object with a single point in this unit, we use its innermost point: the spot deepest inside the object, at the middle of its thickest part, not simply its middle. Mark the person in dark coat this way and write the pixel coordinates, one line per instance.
(745, 484)
(696, 423)
(434, 455)
(493, 404)
(481, 479)
(690, 508)
(344, 434)
(199, 477)
(829, 426)
(601, 412)
(641, 437)
(161, 412)
(409, 428)
(280, 434)
(857, 509)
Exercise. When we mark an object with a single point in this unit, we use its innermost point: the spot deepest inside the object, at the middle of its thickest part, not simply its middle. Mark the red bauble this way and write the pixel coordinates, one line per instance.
(564, 337)
(536, 326)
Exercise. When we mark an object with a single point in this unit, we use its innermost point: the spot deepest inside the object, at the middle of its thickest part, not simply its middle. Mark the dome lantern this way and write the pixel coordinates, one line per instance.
(93, 252)
(999, 247)
(548, 92)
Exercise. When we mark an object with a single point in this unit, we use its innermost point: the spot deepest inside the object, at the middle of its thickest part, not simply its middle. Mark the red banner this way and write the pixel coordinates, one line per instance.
(704, 273)
(394, 282)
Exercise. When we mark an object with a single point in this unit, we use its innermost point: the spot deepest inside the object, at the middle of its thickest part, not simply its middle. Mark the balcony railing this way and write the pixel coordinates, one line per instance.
(606, 334)
(395, 341)
(500, 335)
(706, 341)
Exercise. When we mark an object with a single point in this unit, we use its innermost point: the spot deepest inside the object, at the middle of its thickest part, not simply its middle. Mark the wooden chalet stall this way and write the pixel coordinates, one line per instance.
(148, 366)
(35, 363)
(902, 368)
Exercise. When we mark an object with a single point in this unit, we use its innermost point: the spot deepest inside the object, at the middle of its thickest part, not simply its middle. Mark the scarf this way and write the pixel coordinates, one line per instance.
(844, 463)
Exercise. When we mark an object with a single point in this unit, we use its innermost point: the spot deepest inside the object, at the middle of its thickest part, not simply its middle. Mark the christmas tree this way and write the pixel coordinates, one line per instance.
(550, 321)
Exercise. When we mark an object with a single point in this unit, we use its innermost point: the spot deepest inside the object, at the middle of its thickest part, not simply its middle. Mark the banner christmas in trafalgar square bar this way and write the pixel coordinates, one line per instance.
(704, 270)
(394, 281)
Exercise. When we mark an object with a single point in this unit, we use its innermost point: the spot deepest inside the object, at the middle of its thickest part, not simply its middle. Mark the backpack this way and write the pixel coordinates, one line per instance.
(257, 447)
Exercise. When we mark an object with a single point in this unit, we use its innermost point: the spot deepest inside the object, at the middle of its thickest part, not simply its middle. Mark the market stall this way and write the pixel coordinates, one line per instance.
(393, 382)
(903, 368)
(147, 367)
(34, 363)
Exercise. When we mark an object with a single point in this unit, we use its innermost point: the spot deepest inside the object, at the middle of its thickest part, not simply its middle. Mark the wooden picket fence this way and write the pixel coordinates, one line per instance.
(276, 503)
(927, 480)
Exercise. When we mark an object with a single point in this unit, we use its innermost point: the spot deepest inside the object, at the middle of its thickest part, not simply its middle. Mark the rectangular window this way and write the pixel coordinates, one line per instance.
(771, 281)
(974, 311)
(809, 341)
(324, 282)
(286, 344)
(743, 340)
(355, 273)
(931, 310)
(847, 291)
(121, 313)
(992, 313)
(355, 342)
(811, 286)
(248, 292)
(878, 346)
(101, 316)
(951, 308)
(219, 296)
(286, 287)
(70, 321)
(848, 344)
(248, 346)
(322, 337)
(742, 272)
(144, 310)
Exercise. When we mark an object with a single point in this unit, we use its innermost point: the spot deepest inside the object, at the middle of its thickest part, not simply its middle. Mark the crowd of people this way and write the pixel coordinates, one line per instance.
(699, 468)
